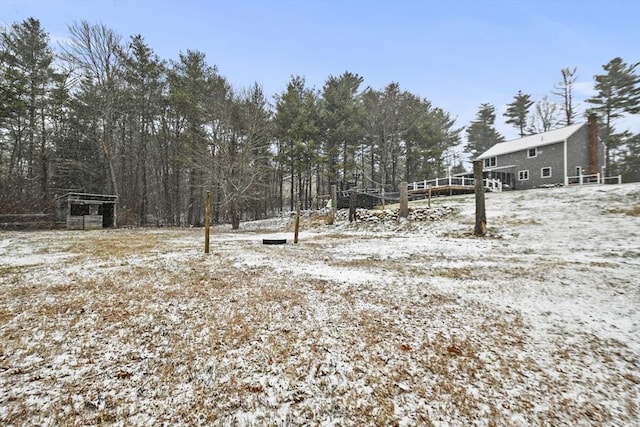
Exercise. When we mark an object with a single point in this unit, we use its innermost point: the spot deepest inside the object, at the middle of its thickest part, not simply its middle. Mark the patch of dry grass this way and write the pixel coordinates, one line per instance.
(632, 211)
(197, 340)
(117, 244)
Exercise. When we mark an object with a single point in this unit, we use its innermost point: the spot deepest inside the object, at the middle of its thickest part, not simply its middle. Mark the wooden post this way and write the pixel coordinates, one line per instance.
(404, 200)
(352, 206)
(429, 195)
(296, 223)
(207, 222)
(334, 204)
(481, 216)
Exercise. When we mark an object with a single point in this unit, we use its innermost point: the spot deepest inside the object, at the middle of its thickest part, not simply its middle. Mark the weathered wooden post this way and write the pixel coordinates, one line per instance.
(429, 195)
(296, 223)
(481, 216)
(207, 222)
(334, 202)
(352, 206)
(404, 200)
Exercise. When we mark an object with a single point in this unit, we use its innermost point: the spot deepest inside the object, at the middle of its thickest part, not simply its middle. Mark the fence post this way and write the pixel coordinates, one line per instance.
(619, 179)
(207, 222)
(481, 216)
(297, 223)
(352, 206)
(334, 202)
(404, 200)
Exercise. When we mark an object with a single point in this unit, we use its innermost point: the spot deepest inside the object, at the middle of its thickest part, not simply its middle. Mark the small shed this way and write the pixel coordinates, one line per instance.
(83, 211)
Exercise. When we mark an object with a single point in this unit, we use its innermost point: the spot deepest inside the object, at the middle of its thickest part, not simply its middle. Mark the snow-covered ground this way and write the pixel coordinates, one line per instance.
(401, 323)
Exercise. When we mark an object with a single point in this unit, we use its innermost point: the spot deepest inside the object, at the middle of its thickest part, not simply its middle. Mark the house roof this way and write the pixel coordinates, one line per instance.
(531, 141)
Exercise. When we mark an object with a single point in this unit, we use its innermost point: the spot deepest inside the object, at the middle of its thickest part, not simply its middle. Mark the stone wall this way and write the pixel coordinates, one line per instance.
(435, 213)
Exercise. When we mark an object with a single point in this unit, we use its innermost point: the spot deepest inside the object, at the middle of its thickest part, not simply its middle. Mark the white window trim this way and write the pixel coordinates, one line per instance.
(542, 172)
(529, 151)
(487, 162)
(520, 173)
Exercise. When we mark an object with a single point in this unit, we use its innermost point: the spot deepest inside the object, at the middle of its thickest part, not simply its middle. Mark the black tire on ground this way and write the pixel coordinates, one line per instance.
(274, 241)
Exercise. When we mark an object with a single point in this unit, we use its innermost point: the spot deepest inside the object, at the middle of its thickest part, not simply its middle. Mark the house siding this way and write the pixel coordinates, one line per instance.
(551, 155)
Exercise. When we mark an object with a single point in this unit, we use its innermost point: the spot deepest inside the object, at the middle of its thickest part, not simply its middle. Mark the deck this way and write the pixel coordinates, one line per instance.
(452, 185)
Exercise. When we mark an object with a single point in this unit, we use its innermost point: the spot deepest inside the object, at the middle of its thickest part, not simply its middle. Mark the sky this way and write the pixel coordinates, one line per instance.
(457, 54)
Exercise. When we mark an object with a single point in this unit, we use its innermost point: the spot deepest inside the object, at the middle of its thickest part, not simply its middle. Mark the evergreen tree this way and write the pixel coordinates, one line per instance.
(296, 124)
(429, 142)
(630, 162)
(27, 78)
(518, 111)
(193, 87)
(340, 117)
(143, 73)
(481, 133)
(618, 92)
(391, 114)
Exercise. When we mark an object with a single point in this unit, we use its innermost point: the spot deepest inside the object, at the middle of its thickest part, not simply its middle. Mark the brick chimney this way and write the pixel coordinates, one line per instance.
(592, 128)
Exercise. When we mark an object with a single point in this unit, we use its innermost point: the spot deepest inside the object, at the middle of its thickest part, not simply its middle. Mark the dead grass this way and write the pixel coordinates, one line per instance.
(200, 341)
(632, 211)
(118, 244)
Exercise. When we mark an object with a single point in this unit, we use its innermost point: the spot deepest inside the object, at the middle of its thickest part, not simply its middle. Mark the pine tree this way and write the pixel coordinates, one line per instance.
(296, 124)
(481, 134)
(518, 111)
(143, 73)
(618, 93)
(429, 142)
(196, 93)
(340, 117)
(27, 78)
(630, 162)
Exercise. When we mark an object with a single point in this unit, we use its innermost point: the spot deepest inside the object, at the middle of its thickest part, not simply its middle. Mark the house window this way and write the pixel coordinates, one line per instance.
(490, 162)
(546, 172)
(532, 152)
(523, 175)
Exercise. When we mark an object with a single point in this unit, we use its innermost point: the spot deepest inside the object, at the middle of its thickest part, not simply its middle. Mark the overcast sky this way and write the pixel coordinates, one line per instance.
(457, 54)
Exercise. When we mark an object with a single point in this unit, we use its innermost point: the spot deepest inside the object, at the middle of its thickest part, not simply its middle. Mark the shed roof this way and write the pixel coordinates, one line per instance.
(107, 198)
(531, 141)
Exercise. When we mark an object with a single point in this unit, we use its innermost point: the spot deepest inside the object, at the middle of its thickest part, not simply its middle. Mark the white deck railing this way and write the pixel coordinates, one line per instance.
(595, 178)
(450, 181)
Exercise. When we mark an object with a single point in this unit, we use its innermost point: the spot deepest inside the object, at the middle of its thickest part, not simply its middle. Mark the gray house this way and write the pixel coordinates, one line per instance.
(570, 155)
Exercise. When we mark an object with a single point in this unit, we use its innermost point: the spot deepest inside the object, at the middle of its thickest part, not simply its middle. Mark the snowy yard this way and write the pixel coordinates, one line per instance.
(358, 324)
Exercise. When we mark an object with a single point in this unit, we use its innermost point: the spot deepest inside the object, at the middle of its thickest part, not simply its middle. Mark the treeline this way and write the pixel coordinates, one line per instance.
(106, 115)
